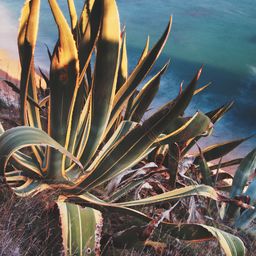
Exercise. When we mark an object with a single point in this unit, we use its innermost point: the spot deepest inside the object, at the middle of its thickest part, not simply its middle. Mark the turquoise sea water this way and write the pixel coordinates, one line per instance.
(220, 34)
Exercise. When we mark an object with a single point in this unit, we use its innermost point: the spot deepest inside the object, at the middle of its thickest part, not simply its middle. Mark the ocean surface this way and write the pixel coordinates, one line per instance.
(221, 34)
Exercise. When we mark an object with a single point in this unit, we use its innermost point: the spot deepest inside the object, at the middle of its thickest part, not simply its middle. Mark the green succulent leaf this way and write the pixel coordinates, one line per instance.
(123, 67)
(246, 167)
(85, 15)
(25, 163)
(72, 14)
(185, 129)
(226, 164)
(205, 170)
(136, 143)
(81, 229)
(219, 150)
(216, 114)
(193, 190)
(248, 215)
(137, 76)
(105, 77)
(144, 98)
(202, 88)
(251, 192)
(231, 244)
(144, 52)
(19, 137)
(245, 219)
(27, 36)
(90, 22)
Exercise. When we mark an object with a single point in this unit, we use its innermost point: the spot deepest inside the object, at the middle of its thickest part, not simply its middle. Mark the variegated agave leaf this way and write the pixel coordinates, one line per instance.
(231, 244)
(246, 167)
(81, 229)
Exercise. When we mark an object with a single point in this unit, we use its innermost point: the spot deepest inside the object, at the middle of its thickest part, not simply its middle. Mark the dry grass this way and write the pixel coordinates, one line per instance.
(28, 226)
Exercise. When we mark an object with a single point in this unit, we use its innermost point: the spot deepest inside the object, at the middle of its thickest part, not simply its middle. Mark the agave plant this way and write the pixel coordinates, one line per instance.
(243, 190)
(88, 129)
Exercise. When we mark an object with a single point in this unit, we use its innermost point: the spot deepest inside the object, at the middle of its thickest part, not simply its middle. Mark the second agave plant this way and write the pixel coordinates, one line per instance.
(88, 127)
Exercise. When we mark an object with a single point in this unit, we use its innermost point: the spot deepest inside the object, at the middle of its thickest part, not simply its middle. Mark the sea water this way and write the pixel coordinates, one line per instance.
(220, 34)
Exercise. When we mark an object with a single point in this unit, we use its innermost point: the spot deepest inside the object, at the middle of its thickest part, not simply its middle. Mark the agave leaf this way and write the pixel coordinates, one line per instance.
(27, 36)
(72, 14)
(120, 132)
(123, 67)
(83, 127)
(226, 164)
(137, 142)
(121, 185)
(64, 86)
(130, 101)
(123, 191)
(197, 125)
(246, 167)
(216, 114)
(15, 177)
(146, 95)
(19, 137)
(219, 150)
(85, 15)
(45, 77)
(137, 76)
(80, 137)
(44, 101)
(1, 129)
(90, 22)
(48, 52)
(105, 77)
(144, 52)
(248, 215)
(161, 153)
(33, 116)
(30, 188)
(245, 219)
(79, 122)
(231, 244)
(21, 174)
(170, 111)
(63, 76)
(193, 190)
(81, 229)
(251, 192)
(25, 163)
(173, 163)
(200, 89)
(128, 107)
(123, 128)
(205, 170)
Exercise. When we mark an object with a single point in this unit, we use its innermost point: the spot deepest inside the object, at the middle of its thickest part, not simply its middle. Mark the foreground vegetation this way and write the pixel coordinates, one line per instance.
(84, 148)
